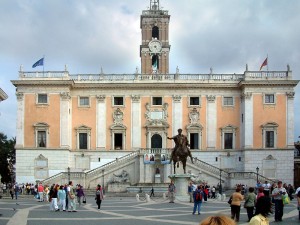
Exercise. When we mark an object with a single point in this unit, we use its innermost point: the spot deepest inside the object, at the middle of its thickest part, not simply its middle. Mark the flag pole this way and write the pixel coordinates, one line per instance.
(267, 62)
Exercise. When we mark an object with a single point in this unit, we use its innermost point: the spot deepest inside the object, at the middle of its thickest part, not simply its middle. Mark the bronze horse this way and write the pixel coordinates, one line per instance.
(180, 151)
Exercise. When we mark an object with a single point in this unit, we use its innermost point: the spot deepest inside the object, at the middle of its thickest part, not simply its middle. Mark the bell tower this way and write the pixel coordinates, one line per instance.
(155, 48)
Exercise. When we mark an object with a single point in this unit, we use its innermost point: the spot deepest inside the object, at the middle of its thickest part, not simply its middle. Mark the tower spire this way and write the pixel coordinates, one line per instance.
(154, 4)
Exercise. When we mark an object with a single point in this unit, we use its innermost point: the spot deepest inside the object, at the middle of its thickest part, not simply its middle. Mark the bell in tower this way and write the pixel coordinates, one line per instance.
(155, 48)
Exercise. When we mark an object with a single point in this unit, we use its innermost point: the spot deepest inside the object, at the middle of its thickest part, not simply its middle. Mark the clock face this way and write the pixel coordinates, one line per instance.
(155, 46)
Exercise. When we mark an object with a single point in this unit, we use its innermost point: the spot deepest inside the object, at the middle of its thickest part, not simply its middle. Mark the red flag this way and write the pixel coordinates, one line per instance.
(264, 63)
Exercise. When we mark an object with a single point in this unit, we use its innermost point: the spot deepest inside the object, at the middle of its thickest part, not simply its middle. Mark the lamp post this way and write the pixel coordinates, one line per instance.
(257, 169)
(68, 174)
(220, 187)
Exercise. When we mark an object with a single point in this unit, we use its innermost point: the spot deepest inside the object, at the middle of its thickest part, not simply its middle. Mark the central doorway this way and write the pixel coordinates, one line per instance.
(156, 141)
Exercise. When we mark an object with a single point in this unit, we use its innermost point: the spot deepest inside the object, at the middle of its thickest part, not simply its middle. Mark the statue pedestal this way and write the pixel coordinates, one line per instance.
(157, 179)
(181, 182)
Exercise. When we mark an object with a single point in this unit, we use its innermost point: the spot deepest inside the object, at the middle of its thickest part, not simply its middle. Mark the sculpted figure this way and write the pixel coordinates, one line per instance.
(181, 150)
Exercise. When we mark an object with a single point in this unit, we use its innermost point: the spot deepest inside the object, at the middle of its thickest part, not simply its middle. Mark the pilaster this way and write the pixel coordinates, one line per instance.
(176, 114)
(211, 115)
(290, 119)
(136, 122)
(20, 120)
(247, 141)
(65, 120)
(101, 122)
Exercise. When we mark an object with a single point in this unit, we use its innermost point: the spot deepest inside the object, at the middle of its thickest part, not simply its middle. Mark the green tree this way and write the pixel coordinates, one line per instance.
(7, 158)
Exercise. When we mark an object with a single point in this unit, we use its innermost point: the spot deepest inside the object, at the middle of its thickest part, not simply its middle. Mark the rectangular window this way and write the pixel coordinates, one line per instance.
(194, 141)
(228, 140)
(83, 141)
(228, 101)
(41, 139)
(269, 139)
(118, 101)
(194, 101)
(157, 101)
(42, 99)
(84, 101)
(269, 99)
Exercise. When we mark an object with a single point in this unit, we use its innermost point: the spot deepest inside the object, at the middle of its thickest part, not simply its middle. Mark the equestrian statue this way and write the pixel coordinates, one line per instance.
(181, 150)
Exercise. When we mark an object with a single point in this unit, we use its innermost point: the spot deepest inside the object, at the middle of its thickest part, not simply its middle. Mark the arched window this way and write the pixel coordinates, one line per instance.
(155, 62)
(156, 141)
(155, 32)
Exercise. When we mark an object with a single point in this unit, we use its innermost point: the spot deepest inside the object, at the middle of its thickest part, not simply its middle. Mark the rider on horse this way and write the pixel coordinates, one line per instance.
(181, 145)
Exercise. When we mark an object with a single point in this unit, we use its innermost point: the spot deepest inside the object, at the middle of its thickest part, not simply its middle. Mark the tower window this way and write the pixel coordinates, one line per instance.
(155, 63)
(156, 100)
(155, 32)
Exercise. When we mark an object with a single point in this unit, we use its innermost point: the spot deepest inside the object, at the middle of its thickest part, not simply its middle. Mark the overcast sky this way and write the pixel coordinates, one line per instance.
(90, 34)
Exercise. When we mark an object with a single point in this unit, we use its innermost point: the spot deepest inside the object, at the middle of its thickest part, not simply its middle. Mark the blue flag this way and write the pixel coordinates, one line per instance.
(39, 63)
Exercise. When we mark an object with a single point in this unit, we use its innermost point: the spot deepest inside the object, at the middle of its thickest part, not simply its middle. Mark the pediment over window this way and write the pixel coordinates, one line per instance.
(270, 157)
(41, 124)
(229, 127)
(194, 127)
(270, 124)
(41, 157)
(83, 128)
(118, 127)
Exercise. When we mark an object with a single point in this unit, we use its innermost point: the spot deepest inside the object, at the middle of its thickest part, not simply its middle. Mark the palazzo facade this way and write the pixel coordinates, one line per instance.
(236, 122)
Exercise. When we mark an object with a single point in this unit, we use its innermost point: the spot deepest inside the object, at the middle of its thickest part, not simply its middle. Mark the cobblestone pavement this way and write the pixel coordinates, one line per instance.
(114, 211)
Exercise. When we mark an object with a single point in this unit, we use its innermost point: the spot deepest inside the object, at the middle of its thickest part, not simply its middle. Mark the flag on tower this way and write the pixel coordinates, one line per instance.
(265, 63)
(39, 63)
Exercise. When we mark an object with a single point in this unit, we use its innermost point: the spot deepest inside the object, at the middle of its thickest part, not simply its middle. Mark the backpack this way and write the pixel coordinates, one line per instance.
(198, 196)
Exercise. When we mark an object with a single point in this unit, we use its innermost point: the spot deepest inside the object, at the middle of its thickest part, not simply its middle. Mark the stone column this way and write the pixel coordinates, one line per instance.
(101, 122)
(290, 120)
(247, 141)
(20, 120)
(65, 120)
(136, 123)
(176, 114)
(211, 115)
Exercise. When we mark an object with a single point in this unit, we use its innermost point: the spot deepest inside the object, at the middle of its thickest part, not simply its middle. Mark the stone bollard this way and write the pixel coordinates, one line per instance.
(148, 198)
(164, 196)
(219, 197)
(137, 197)
(224, 197)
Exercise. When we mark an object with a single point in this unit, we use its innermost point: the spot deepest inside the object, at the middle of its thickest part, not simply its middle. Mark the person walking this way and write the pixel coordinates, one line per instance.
(263, 209)
(99, 196)
(53, 196)
(198, 196)
(172, 190)
(237, 197)
(277, 194)
(250, 201)
(80, 194)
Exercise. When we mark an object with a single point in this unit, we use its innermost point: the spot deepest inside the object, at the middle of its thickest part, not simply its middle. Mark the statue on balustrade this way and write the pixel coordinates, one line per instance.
(181, 150)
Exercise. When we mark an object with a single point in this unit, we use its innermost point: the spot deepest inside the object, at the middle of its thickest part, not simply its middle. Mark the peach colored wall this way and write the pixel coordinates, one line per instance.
(225, 116)
(269, 113)
(84, 116)
(37, 114)
(126, 121)
(144, 100)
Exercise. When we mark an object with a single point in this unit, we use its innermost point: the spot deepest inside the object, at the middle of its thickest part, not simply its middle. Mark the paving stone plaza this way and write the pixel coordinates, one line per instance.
(122, 210)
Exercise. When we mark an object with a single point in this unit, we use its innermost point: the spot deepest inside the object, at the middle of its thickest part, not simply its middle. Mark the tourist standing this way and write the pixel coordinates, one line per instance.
(278, 194)
(263, 209)
(71, 198)
(53, 197)
(198, 196)
(298, 201)
(41, 192)
(213, 192)
(61, 195)
(250, 200)
(172, 190)
(99, 196)
(237, 197)
(190, 191)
